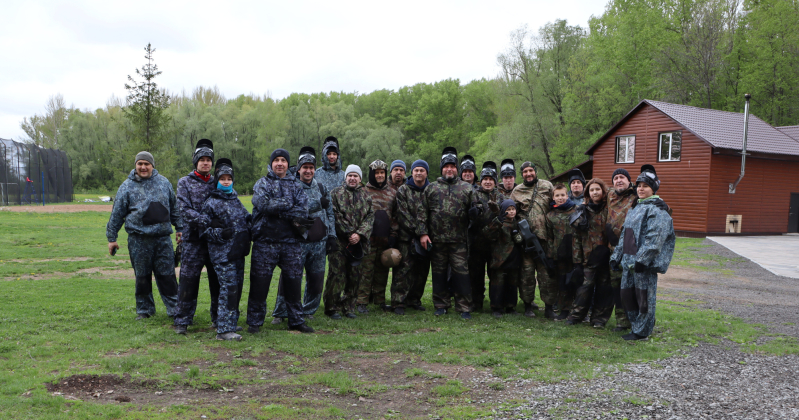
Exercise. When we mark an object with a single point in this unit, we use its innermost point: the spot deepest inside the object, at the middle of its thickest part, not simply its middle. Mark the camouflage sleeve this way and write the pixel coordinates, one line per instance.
(189, 215)
(118, 214)
(550, 228)
(493, 230)
(577, 246)
(423, 213)
(213, 235)
(394, 217)
(657, 230)
(299, 207)
(174, 209)
(617, 252)
(367, 223)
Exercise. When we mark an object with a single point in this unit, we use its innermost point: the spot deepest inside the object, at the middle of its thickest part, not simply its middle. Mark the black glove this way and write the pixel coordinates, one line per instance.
(301, 224)
(332, 245)
(614, 265)
(227, 233)
(325, 202)
(640, 268)
(392, 241)
(474, 213)
(661, 204)
(493, 207)
(612, 238)
(217, 223)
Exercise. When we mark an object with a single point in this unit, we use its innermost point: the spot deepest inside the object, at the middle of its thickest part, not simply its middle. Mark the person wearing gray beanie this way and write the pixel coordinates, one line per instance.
(353, 168)
(144, 155)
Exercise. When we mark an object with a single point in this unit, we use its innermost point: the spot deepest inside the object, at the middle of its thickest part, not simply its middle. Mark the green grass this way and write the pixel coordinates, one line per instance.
(688, 253)
(71, 323)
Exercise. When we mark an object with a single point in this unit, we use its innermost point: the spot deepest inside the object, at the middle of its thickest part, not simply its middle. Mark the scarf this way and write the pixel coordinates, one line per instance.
(226, 190)
(205, 178)
(563, 207)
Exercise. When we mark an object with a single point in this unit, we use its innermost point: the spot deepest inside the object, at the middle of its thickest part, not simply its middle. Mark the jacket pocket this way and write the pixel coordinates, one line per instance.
(156, 213)
(239, 247)
(630, 247)
(318, 231)
(629, 300)
(600, 256)
(565, 248)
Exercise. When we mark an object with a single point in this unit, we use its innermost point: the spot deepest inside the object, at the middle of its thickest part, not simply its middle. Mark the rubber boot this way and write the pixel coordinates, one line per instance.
(549, 312)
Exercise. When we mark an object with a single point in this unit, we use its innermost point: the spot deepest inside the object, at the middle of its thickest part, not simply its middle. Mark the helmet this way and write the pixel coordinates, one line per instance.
(507, 168)
(576, 174)
(391, 257)
(449, 155)
(490, 170)
(204, 148)
(224, 167)
(649, 177)
(467, 164)
(307, 155)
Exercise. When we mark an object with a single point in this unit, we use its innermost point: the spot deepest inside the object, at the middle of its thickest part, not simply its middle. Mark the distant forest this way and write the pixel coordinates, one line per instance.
(557, 90)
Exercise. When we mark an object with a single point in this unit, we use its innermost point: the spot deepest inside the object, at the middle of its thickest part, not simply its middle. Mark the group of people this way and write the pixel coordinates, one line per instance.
(590, 248)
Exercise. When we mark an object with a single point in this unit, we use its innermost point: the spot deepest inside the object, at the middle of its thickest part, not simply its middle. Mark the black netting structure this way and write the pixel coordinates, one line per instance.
(30, 174)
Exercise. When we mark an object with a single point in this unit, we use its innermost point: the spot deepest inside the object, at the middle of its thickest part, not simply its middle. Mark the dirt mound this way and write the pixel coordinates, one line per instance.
(65, 208)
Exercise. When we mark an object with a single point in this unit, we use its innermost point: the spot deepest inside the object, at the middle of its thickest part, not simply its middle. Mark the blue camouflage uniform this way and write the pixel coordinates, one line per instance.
(147, 207)
(330, 177)
(645, 248)
(227, 254)
(313, 252)
(192, 193)
(276, 201)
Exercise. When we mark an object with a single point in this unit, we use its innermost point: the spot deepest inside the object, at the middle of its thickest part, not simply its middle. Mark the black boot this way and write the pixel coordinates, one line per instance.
(563, 315)
(528, 310)
(549, 313)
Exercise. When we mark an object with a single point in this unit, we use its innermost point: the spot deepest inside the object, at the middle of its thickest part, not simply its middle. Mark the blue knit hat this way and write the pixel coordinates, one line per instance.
(505, 204)
(420, 164)
(279, 152)
(397, 163)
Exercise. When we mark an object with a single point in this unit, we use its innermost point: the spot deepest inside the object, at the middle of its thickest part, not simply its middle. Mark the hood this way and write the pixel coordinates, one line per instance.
(326, 166)
(216, 193)
(373, 182)
(412, 185)
(134, 177)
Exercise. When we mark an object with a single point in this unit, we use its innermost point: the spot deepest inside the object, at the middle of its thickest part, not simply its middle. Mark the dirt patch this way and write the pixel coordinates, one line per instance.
(66, 208)
(94, 272)
(37, 260)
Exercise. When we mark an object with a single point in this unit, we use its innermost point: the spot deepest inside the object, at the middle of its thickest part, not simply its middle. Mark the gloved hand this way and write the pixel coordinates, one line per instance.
(227, 233)
(474, 213)
(614, 265)
(325, 202)
(301, 224)
(392, 241)
(332, 245)
(217, 223)
(640, 268)
(493, 207)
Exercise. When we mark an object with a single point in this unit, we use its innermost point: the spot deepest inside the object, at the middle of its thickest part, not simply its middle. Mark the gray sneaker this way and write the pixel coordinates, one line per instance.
(228, 336)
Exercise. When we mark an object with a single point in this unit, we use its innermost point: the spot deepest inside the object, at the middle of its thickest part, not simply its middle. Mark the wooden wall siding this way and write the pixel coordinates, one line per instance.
(684, 184)
(762, 197)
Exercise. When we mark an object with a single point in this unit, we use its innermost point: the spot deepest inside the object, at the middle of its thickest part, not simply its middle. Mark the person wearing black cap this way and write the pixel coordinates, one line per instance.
(576, 186)
(193, 190)
(331, 173)
(449, 204)
(228, 238)
(468, 171)
(532, 199)
(508, 173)
(646, 246)
(479, 244)
(320, 238)
(280, 223)
(620, 200)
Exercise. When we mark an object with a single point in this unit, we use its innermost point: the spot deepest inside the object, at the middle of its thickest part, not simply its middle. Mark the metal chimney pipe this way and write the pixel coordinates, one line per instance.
(743, 149)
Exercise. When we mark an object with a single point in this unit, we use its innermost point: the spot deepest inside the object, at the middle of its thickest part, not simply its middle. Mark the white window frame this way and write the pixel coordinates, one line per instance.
(670, 135)
(628, 158)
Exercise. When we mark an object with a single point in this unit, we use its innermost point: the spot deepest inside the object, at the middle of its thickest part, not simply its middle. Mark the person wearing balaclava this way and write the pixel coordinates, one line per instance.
(533, 196)
(646, 246)
(146, 204)
(193, 190)
(228, 238)
(330, 174)
(280, 223)
(372, 288)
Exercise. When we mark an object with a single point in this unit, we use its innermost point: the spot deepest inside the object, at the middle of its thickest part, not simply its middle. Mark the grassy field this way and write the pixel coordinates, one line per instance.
(70, 348)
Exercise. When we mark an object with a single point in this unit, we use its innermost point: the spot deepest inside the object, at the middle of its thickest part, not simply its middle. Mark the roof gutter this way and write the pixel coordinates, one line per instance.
(743, 149)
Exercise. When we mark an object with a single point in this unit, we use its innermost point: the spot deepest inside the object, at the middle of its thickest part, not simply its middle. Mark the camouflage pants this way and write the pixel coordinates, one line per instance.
(231, 280)
(409, 277)
(372, 288)
(265, 257)
(639, 297)
(595, 288)
(153, 255)
(313, 259)
(621, 314)
(455, 256)
(565, 293)
(533, 268)
(479, 259)
(192, 260)
(341, 287)
(502, 288)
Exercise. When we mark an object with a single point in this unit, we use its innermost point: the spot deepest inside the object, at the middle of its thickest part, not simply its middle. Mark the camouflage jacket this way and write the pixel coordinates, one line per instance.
(562, 245)
(136, 197)
(647, 238)
(275, 202)
(577, 200)
(447, 204)
(330, 177)
(534, 204)
(192, 193)
(594, 238)
(410, 208)
(352, 211)
(229, 209)
(505, 192)
(315, 210)
(619, 204)
(384, 205)
(481, 199)
(500, 236)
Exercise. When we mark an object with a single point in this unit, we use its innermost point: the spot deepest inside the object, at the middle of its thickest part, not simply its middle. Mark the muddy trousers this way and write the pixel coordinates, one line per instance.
(231, 281)
(265, 257)
(409, 278)
(341, 287)
(454, 256)
(372, 288)
(313, 260)
(153, 255)
(621, 314)
(639, 297)
(192, 260)
(595, 288)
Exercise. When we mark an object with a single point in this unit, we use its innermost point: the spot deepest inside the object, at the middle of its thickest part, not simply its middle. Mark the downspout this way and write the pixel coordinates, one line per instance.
(743, 150)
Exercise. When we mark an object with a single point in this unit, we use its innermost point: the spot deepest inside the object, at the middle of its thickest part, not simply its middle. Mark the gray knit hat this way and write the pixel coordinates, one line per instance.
(353, 168)
(144, 156)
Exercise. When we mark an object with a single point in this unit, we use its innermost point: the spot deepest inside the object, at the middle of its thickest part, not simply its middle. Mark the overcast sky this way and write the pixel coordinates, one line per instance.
(85, 50)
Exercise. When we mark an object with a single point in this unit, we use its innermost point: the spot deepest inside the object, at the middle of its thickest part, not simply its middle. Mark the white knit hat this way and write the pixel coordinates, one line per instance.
(354, 168)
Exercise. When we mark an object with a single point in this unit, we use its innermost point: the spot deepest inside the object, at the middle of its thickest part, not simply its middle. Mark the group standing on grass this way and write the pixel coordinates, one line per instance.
(589, 248)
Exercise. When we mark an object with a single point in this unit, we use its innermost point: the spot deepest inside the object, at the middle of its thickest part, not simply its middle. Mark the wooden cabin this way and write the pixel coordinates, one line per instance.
(697, 155)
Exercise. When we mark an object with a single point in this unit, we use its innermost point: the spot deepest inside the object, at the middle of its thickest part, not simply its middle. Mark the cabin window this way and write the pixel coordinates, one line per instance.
(670, 145)
(625, 149)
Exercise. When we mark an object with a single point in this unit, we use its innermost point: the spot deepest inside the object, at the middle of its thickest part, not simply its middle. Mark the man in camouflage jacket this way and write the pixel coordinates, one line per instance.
(354, 216)
(620, 200)
(507, 172)
(479, 244)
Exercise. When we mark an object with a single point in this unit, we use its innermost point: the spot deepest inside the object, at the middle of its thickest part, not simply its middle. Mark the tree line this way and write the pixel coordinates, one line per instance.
(557, 91)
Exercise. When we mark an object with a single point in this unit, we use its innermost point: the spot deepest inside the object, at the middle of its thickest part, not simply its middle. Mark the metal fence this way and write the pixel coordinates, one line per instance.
(30, 174)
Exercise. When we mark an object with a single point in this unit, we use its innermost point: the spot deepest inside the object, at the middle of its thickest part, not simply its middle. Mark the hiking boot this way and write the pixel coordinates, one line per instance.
(466, 315)
(228, 336)
(181, 329)
(511, 311)
(335, 316)
(417, 307)
(598, 324)
(213, 324)
(620, 329)
(362, 309)
(239, 328)
(386, 308)
(399, 311)
(440, 311)
(496, 314)
(277, 321)
(528, 311)
(142, 316)
(303, 328)
(633, 336)
(549, 313)
(477, 308)
(562, 316)
(570, 322)
(350, 315)
(253, 329)
(535, 307)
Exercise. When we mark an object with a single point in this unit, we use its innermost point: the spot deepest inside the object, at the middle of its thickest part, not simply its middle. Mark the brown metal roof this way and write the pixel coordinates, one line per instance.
(791, 130)
(722, 129)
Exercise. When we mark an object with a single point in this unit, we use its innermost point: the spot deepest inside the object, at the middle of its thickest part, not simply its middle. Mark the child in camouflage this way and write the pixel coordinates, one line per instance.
(506, 258)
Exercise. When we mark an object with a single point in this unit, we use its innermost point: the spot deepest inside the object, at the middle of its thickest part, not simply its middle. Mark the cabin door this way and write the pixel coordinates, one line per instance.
(793, 214)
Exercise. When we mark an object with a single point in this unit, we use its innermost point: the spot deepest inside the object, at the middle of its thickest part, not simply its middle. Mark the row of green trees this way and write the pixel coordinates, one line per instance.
(558, 90)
